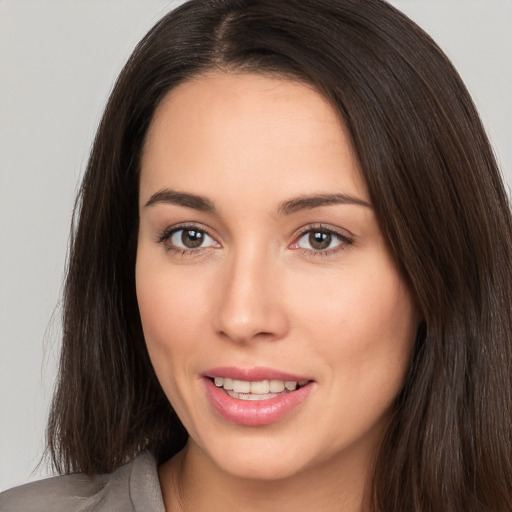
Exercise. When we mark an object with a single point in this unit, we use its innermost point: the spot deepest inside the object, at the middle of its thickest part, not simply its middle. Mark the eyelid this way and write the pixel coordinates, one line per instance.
(345, 236)
(169, 230)
(166, 234)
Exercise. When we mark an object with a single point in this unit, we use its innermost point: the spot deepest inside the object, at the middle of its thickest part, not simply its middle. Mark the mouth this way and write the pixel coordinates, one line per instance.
(257, 390)
(257, 396)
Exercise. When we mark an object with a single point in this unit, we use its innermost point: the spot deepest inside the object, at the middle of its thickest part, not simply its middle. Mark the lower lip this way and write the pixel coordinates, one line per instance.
(255, 412)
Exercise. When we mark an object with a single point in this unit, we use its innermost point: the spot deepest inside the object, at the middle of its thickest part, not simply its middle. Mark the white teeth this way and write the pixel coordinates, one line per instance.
(276, 386)
(252, 396)
(290, 385)
(241, 386)
(262, 387)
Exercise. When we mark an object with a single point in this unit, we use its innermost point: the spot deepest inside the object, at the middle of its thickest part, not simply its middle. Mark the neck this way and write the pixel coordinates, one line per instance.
(191, 481)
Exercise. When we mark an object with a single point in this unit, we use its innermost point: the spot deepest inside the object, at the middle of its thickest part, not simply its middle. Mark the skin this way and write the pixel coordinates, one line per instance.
(257, 292)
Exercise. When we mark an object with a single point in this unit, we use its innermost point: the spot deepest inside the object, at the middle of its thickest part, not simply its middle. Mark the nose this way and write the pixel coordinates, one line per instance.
(251, 304)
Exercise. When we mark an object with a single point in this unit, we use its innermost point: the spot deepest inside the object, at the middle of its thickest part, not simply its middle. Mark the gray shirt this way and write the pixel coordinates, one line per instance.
(133, 487)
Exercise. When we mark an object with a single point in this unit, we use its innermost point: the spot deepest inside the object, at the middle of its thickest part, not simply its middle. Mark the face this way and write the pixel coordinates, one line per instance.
(274, 315)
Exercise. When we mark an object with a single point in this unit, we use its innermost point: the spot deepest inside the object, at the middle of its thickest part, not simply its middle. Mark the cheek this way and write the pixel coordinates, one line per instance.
(364, 324)
(170, 304)
(162, 314)
(168, 323)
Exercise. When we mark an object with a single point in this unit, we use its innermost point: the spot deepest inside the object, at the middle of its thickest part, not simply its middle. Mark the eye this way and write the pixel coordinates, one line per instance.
(190, 238)
(317, 240)
(187, 238)
(321, 240)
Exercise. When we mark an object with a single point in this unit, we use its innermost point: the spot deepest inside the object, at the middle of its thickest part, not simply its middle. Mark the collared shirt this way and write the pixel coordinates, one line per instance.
(133, 487)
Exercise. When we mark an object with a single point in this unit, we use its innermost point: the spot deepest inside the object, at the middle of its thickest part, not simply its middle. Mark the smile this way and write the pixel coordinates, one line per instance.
(257, 390)
(257, 396)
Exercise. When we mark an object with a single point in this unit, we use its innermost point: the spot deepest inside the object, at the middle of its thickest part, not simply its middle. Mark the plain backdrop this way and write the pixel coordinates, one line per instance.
(58, 62)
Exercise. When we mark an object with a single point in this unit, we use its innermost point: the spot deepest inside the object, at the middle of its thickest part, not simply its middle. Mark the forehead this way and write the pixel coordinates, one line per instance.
(248, 130)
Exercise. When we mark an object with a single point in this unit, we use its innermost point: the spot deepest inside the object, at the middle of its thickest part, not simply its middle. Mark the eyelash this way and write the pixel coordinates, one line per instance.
(344, 240)
(167, 234)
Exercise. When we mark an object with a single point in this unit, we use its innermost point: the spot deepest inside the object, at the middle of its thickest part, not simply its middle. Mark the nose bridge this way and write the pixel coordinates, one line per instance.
(251, 303)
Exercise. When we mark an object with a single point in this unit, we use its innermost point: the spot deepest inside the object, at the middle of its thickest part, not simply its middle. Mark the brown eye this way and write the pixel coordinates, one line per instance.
(191, 238)
(319, 240)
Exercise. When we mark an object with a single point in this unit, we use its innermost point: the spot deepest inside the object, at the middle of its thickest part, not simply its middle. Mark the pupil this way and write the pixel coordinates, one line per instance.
(192, 238)
(319, 240)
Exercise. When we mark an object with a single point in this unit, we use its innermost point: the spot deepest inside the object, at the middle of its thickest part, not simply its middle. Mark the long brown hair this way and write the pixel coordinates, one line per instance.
(440, 201)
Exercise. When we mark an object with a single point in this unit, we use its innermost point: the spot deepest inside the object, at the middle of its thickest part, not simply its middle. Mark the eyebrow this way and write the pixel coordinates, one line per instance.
(317, 200)
(289, 207)
(194, 201)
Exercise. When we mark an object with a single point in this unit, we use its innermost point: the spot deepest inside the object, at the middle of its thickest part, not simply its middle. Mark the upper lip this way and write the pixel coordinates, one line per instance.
(258, 373)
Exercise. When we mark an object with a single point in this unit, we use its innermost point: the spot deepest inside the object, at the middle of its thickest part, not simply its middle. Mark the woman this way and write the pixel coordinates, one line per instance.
(290, 282)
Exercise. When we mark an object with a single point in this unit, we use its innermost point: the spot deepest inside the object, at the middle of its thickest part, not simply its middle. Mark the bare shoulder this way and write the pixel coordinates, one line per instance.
(132, 487)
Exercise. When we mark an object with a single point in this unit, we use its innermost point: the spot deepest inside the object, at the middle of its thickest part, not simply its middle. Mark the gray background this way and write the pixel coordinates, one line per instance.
(58, 61)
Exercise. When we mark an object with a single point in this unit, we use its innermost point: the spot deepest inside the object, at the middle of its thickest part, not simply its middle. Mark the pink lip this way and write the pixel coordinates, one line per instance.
(252, 374)
(259, 412)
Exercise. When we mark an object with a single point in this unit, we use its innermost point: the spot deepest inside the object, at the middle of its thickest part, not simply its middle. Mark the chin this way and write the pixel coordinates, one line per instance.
(259, 470)
(261, 459)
